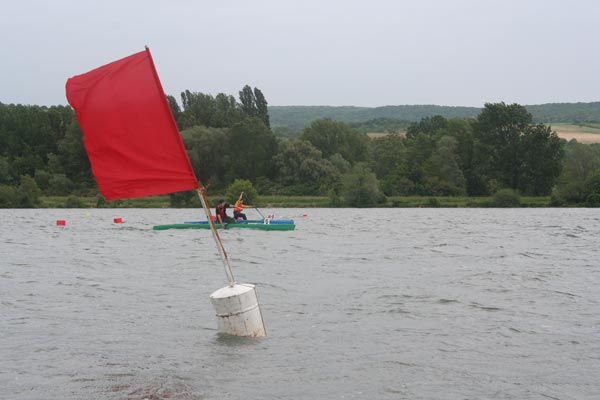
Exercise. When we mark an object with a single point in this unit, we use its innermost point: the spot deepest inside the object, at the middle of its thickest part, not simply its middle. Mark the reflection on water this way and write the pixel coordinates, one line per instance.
(382, 304)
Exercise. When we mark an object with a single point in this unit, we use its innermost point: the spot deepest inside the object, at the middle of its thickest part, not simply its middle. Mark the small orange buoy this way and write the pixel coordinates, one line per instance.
(118, 220)
(61, 222)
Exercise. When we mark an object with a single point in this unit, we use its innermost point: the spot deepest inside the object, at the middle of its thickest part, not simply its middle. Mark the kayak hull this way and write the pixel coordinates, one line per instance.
(266, 227)
(251, 221)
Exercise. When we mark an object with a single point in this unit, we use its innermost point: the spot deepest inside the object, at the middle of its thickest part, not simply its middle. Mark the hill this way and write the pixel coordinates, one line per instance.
(298, 117)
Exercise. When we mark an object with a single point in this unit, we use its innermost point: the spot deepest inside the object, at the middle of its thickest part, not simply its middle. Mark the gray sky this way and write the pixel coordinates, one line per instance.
(314, 52)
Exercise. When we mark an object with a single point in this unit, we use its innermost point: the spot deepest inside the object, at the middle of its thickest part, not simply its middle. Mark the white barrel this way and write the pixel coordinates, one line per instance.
(238, 311)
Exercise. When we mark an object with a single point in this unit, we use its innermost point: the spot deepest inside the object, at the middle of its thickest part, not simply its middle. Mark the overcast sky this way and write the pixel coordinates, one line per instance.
(314, 52)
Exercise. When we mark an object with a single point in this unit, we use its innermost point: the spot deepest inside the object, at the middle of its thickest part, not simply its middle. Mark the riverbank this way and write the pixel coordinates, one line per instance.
(290, 202)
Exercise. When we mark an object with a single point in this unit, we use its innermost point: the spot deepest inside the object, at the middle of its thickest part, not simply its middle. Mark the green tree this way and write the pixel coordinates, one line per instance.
(253, 146)
(301, 165)
(419, 149)
(262, 109)
(543, 153)
(26, 163)
(28, 134)
(248, 102)
(209, 153)
(360, 187)
(340, 163)
(176, 111)
(254, 104)
(511, 149)
(242, 185)
(198, 109)
(59, 185)
(42, 178)
(228, 112)
(462, 130)
(59, 119)
(429, 126)
(580, 162)
(202, 109)
(73, 157)
(332, 137)
(442, 169)
(4, 170)
(185, 199)
(591, 185)
(499, 129)
(387, 153)
(28, 193)
(8, 196)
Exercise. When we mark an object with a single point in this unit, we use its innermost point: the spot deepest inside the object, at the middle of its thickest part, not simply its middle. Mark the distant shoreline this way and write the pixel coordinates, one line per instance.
(266, 202)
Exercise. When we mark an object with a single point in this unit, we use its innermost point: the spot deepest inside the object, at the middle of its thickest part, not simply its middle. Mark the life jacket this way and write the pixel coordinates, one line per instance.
(220, 210)
(239, 206)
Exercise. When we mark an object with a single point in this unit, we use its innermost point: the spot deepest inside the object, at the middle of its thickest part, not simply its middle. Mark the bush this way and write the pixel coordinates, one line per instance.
(101, 202)
(360, 187)
(265, 186)
(73, 202)
(556, 200)
(60, 185)
(593, 200)
(591, 185)
(506, 198)
(334, 198)
(432, 202)
(28, 193)
(185, 199)
(42, 178)
(8, 196)
(238, 186)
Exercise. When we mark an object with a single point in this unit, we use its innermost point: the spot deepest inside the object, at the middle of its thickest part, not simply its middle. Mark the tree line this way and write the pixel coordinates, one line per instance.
(293, 119)
(230, 139)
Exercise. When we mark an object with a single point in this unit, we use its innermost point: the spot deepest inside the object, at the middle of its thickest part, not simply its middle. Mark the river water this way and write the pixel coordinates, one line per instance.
(358, 304)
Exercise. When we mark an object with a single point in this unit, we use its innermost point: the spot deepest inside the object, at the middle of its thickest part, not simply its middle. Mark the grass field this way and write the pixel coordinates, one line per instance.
(586, 133)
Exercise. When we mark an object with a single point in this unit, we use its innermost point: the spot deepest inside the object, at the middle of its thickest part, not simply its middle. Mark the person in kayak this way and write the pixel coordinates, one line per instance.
(239, 206)
(221, 213)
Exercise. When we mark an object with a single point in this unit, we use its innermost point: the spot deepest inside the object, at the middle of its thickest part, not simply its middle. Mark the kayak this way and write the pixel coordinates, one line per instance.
(251, 221)
(244, 225)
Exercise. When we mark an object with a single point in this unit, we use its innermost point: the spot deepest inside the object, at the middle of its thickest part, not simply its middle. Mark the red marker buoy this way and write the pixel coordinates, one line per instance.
(61, 222)
(118, 220)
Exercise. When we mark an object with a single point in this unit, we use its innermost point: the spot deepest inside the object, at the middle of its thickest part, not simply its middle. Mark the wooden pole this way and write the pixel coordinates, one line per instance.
(213, 228)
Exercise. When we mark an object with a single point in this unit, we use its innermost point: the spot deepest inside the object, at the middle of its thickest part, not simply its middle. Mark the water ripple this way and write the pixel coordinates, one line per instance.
(382, 303)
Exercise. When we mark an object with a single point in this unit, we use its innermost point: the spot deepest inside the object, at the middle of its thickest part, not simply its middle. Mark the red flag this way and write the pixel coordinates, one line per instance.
(129, 132)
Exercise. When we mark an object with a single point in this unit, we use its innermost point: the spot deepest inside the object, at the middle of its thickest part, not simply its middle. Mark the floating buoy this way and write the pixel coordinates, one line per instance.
(305, 215)
(61, 222)
(118, 220)
(238, 311)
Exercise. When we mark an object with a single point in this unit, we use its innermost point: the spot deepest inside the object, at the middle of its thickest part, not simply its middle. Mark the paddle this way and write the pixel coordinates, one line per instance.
(256, 208)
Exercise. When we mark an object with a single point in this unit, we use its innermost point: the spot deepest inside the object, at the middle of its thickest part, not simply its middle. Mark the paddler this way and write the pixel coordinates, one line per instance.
(221, 213)
(239, 206)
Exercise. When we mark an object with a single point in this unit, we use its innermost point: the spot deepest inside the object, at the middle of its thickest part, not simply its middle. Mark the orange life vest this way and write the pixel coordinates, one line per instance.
(239, 206)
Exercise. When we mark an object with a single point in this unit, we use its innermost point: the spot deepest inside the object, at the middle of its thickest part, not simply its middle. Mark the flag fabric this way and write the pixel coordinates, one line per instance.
(129, 132)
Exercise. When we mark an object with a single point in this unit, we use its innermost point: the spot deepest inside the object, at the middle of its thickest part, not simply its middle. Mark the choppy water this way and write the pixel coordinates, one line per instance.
(358, 304)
